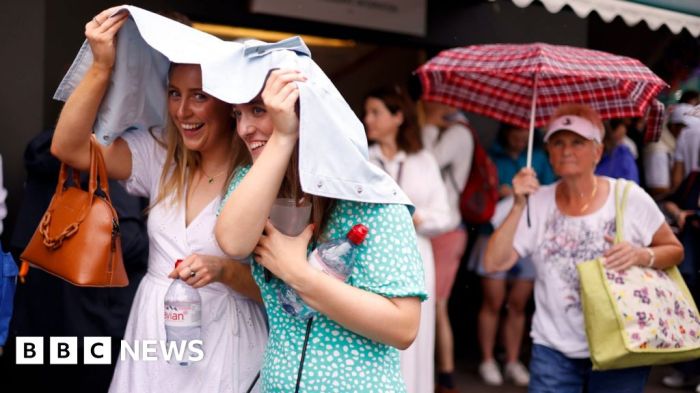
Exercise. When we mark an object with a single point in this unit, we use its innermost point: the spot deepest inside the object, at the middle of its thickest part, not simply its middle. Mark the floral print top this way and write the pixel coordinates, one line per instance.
(557, 243)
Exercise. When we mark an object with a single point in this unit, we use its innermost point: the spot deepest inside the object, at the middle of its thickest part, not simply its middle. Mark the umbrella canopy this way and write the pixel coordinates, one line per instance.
(523, 84)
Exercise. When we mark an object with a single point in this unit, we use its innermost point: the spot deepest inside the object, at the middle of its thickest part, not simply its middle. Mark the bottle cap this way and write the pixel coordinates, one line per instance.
(178, 262)
(357, 234)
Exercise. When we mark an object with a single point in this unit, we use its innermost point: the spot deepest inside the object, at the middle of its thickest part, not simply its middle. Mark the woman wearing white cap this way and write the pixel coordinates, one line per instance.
(351, 345)
(183, 171)
(573, 220)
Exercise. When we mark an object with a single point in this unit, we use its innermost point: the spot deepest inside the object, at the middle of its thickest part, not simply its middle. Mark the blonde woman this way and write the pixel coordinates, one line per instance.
(183, 171)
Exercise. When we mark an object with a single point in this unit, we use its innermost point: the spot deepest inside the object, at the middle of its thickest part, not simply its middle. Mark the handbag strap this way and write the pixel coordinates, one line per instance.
(98, 172)
(63, 177)
(620, 205)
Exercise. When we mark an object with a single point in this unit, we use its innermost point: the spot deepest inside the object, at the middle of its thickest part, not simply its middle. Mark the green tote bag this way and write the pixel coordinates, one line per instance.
(637, 317)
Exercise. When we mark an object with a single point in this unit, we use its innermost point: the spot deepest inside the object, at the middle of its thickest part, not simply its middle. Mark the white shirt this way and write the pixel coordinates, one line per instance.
(688, 149)
(453, 150)
(419, 177)
(658, 160)
(657, 169)
(556, 243)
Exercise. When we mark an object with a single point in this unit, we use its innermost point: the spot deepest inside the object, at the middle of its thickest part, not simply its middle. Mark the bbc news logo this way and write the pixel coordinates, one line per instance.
(98, 350)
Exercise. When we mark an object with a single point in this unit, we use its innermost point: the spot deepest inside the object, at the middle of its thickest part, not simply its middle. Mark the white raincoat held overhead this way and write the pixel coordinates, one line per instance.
(234, 73)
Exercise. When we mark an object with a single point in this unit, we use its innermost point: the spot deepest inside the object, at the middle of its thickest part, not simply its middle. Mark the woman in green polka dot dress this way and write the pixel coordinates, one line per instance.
(351, 345)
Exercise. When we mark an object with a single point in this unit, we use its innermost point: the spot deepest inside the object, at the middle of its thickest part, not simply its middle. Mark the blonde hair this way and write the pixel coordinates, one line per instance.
(580, 110)
(185, 161)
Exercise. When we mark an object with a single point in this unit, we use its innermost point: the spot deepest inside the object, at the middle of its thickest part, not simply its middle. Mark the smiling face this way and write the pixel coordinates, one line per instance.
(202, 120)
(381, 124)
(253, 125)
(572, 155)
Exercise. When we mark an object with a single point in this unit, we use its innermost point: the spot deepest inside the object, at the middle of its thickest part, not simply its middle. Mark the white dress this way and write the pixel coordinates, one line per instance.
(418, 175)
(234, 330)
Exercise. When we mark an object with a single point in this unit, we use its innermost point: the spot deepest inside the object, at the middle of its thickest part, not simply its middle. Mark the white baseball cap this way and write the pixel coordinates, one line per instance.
(576, 124)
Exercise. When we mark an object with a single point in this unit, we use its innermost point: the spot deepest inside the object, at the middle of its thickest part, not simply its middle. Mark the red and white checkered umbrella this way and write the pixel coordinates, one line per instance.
(522, 84)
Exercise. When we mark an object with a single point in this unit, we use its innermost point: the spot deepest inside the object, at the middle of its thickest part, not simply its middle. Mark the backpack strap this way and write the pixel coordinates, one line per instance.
(450, 174)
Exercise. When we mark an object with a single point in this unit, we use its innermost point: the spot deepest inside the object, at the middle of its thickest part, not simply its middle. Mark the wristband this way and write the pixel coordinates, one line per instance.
(652, 256)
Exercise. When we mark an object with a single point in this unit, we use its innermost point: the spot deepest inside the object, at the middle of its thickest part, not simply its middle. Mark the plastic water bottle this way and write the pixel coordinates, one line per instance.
(335, 258)
(183, 318)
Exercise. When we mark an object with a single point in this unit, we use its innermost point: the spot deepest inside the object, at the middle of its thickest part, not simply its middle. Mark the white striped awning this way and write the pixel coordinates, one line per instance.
(632, 13)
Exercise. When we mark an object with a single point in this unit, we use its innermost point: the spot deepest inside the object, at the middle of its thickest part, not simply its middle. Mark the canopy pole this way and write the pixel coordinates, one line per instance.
(531, 134)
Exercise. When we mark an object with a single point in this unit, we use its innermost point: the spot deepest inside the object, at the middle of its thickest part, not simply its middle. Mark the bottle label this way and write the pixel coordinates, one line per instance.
(317, 263)
(183, 314)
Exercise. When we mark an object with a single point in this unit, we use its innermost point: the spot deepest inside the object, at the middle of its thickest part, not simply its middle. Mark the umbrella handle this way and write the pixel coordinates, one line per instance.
(527, 210)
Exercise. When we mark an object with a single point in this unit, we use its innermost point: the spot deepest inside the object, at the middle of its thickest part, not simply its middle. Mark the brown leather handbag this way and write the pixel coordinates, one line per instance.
(78, 238)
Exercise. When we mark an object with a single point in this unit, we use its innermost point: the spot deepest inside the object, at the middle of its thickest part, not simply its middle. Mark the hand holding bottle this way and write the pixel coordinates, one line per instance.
(200, 270)
(182, 315)
(335, 258)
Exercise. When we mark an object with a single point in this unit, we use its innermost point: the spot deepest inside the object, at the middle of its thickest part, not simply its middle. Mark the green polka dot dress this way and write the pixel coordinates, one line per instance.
(338, 360)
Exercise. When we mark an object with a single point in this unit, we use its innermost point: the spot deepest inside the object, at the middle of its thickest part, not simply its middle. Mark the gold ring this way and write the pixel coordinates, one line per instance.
(192, 273)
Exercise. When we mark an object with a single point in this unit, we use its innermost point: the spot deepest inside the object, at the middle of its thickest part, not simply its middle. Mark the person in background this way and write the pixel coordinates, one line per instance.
(687, 153)
(617, 162)
(183, 171)
(3, 198)
(571, 221)
(684, 209)
(391, 123)
(446, 134)
(514, 287)
(5, 309)
(656, 164)
(626, 140)
(47, 306)
(690, 97)
(658, 156)
(509, 153)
